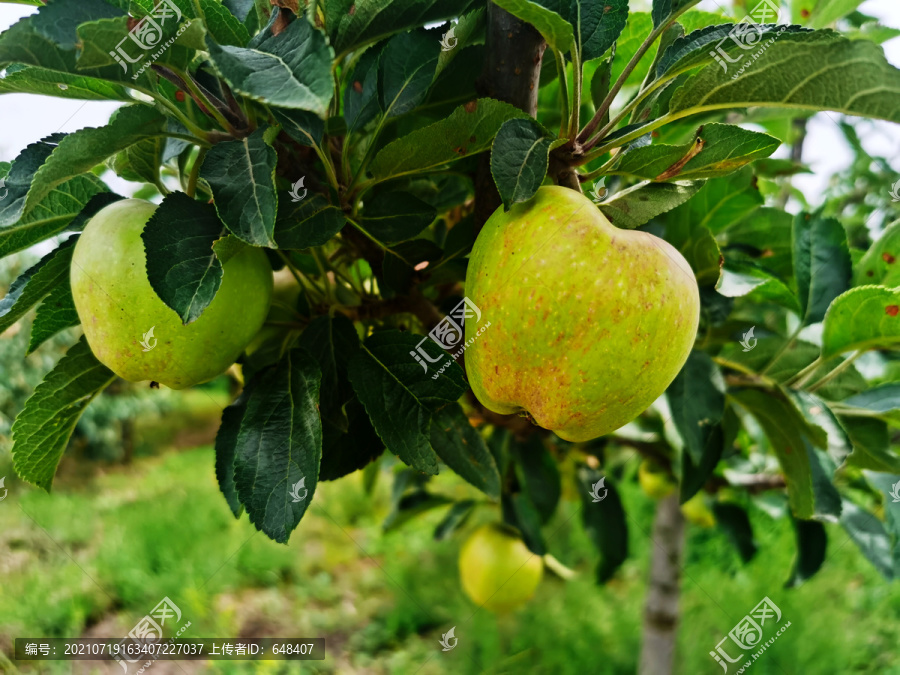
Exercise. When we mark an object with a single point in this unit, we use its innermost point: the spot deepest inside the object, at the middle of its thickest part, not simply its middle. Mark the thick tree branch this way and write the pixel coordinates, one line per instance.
(511, 73)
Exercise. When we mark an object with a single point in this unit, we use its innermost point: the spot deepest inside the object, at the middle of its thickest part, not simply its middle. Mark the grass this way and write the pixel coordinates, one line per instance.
(96, 555)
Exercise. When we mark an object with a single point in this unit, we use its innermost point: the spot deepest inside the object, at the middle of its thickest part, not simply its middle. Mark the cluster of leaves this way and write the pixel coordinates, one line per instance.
(358, 104)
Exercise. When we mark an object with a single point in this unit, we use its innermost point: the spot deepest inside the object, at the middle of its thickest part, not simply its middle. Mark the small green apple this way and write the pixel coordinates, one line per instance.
(497, 570)
(654, 481)
(118, 307)
(588, 323)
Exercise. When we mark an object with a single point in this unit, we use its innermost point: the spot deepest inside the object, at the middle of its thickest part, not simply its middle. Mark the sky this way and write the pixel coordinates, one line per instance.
(27, 118)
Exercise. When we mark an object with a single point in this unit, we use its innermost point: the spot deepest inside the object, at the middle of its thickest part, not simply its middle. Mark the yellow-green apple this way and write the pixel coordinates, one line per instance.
(137, 336)
(588, 323)
(497, 570)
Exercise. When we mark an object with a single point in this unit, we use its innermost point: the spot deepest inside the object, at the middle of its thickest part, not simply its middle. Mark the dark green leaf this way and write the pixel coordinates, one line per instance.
(20, 79)
(181, 265)
(539, 475)
(789, 435)
(396, 216)
(694, 50)
(868, 533)
(641, 203)
(810, 71)
(749, 280)
(723, 202)
(344, 453)
(226, 447)
(70, 206)
(42, 430)
(406, 70)
(332, 341)
(309, 222)
(604, 521)
(519, 159)
(812, 542)
(556, 30)
(303, 126)
(242, 177)
(57, 312)
(597, 25)
(470, 129)
(22, 44)
(871, 443)
(455, 518)
(58, 21)
(279, 445)
(399, 397)
(35, 283)
(20, 176)
(733, 520)
(664, 9)
(881, 399)
(717, 150)
(361, 103)
(353, 24)
(462, 448)
(79, 152)
(288, 70)
(519, 512)
(697, 403)
(696, 243)
(695, 475)
(223, 25)
(822, 267)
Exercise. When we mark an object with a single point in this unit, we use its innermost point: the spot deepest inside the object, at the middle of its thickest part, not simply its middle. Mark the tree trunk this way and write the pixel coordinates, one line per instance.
(127, 441)
(661, 607)
(511, 73)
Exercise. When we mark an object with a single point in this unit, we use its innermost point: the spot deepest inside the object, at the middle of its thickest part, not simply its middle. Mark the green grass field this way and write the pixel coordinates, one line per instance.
(96, 555)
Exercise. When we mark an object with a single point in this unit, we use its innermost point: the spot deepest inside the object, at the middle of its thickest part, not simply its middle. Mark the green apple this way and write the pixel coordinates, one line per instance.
(654, 481)
(118, 308)
(588, 323)
(497, 570)
(697, 512)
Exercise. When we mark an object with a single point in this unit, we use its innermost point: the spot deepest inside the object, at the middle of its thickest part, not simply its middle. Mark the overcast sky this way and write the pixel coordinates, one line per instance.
(27, 118)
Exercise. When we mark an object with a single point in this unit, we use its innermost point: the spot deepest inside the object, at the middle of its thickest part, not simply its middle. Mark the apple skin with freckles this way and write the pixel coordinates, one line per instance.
(117, 305)
(589, 323)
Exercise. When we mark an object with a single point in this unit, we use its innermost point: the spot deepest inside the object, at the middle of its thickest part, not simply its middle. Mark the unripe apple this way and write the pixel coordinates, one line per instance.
(588, 323)
(497, 570)
(697, 512)
(118, 307)
(654, 481)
